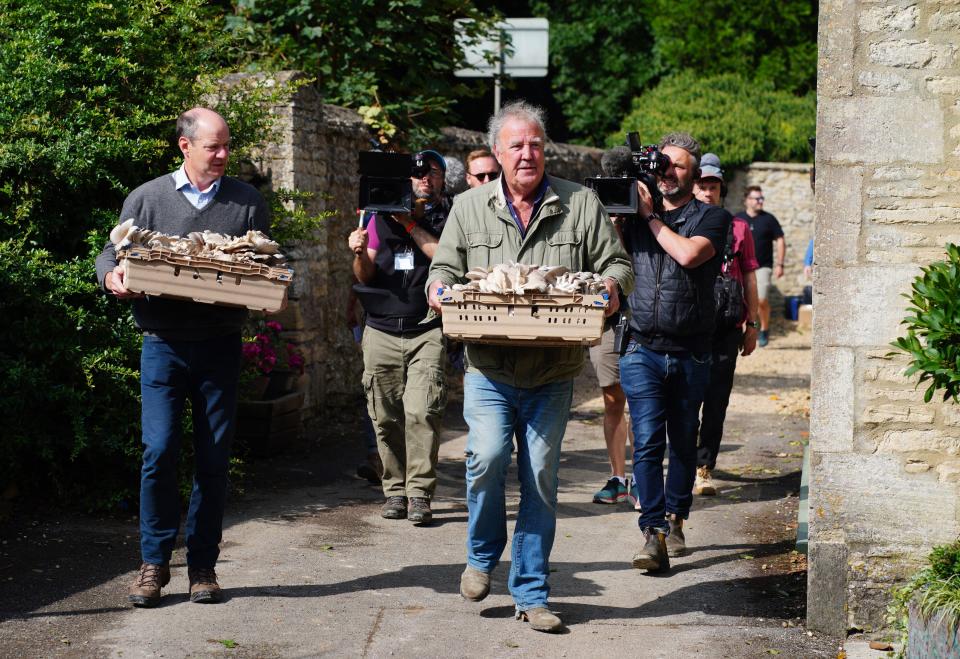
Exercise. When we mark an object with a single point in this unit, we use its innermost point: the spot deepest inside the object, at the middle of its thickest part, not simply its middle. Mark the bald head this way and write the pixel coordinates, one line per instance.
(190, 122)
(204, 140)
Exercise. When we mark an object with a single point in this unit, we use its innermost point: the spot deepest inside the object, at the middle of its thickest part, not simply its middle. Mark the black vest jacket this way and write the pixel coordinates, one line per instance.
(668, 299)
(395, 300)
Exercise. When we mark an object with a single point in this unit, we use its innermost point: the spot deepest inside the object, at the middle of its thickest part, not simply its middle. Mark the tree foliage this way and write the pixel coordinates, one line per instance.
(739, 120)
(599, 57)
(89, 94)
(391, 59)
(774, 41)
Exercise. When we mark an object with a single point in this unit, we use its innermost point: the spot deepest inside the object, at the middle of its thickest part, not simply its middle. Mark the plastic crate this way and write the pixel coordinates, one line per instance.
(165, 273)
(534, 319)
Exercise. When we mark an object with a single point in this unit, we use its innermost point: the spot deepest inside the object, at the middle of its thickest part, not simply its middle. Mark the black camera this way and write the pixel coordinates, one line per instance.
(385, 181)
(622, 168)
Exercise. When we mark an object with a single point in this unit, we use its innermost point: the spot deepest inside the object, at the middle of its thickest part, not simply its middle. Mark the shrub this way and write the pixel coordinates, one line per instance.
(741, 121)
(933, 327)
(89, 92)
(935, 591)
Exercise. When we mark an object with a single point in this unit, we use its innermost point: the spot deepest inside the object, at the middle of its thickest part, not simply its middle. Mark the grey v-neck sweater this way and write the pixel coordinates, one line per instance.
(158, 205)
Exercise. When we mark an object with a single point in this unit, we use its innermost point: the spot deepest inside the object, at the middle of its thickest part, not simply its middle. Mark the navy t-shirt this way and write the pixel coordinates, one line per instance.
(765, 229)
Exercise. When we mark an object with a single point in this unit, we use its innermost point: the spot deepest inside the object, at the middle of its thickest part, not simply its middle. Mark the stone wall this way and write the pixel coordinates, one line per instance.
(787, 194)
(885, 466)
(316, 151)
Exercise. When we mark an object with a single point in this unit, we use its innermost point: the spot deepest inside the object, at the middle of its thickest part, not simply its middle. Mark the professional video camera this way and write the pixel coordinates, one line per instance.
(385, 180)
(622, 167)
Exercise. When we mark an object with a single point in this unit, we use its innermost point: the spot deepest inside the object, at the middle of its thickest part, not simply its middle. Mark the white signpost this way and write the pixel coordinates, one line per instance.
(522, 48)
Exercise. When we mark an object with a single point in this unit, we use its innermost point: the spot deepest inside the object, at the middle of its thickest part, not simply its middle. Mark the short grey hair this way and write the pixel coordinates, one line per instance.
(683, 141)
(188, 122)
(515, 110)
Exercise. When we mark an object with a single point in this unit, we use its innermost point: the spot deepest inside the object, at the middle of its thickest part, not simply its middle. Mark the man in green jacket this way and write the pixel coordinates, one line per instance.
(527, 217)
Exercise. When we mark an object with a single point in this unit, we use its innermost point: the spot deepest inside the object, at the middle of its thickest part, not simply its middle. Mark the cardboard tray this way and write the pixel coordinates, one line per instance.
(533, 320)
(162, 272)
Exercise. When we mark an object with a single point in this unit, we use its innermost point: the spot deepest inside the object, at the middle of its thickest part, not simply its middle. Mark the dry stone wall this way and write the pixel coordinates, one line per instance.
(788, 195)
(885, 466)
(316, 151)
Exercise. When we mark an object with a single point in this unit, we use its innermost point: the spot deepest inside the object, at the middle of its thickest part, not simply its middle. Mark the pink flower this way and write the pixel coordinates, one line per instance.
(274, 325)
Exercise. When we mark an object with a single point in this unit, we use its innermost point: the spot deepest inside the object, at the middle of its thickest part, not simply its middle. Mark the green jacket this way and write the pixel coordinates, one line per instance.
(570, 228)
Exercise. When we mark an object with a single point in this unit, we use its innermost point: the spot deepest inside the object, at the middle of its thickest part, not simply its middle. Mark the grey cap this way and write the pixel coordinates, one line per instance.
(710, 166)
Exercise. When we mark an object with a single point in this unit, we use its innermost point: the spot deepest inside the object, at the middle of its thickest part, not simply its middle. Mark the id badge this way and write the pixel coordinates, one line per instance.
(403, 260)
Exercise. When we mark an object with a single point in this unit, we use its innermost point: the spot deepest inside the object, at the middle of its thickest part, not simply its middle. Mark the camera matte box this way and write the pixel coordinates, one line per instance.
(537, 320)
(617, 194)
(210, 281)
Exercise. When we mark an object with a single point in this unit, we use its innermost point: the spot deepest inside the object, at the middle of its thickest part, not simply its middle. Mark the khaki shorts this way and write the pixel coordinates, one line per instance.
(606, 361)
(764, 275)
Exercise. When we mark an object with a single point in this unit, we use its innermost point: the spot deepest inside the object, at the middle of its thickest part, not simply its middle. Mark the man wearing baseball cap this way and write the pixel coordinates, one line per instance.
(403, 352)
(739, 264)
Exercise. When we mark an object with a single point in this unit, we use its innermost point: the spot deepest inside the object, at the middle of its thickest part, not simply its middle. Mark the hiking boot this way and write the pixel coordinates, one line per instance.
(419, 511)
(394, 508)
(703, 485)
(653, 555)
(541, 619)
(145, 591)
(676, 543)
(613, 492)
(633, 496)
(763, 338)
(474, 584)
(204, 588)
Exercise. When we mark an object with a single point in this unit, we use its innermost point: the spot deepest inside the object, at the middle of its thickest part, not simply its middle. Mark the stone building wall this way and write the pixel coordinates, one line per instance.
(885, 466)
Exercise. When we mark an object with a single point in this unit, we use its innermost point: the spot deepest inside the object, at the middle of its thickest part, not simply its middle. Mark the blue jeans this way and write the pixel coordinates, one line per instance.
(208, 373)
(664, 391)
(494, 411)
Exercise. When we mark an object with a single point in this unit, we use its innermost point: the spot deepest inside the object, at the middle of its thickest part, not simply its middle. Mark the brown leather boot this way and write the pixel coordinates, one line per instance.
(653, 555)
(204, 588)
(145, 591)
(676, 543)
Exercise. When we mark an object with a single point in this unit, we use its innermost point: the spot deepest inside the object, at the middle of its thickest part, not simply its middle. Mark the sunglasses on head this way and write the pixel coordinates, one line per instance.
(485, 176)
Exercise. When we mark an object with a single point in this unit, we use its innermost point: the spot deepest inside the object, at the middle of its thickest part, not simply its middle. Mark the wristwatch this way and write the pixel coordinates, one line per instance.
(651, 217)
(755, 324)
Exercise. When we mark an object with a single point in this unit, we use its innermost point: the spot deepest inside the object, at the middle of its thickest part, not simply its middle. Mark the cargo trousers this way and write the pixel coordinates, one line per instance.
(403, 381)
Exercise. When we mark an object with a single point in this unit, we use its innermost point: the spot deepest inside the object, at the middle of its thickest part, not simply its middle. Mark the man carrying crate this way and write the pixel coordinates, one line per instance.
(527, 217)
(190, 350)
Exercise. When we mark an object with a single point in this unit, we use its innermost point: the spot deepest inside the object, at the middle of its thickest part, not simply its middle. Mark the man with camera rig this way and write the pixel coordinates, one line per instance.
(665, 366)
(403, 353)
(527, 217)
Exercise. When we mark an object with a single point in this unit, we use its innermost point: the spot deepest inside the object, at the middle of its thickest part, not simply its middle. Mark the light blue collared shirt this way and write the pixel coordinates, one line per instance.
(198, 198)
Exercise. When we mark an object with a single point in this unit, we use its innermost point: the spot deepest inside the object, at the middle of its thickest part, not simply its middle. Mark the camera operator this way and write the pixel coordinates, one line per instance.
(403, 355)
(665, 368)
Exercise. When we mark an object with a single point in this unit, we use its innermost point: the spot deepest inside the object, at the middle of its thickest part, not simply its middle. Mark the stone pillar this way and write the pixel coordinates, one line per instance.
(884, 465)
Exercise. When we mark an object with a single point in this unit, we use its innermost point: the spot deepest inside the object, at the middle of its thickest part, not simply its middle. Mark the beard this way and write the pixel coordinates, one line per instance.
(673, 191)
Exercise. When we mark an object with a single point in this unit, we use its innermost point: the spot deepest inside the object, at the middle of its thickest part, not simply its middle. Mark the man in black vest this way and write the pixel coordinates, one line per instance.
(666, 366)
(403, 356)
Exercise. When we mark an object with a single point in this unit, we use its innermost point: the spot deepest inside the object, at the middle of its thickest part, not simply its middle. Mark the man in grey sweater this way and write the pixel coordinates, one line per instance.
(190, 350)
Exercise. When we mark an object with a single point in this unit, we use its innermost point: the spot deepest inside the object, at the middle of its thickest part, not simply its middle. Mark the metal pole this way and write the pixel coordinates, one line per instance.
(496, 78)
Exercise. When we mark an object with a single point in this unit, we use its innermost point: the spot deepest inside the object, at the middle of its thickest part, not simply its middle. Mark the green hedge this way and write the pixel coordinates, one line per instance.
(741, 121)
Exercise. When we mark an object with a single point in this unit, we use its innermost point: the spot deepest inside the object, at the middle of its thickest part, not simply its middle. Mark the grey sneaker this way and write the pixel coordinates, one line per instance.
(676, 543)
(419, 511)
(541, 619)
(653, 555)
(394, 508)
(474, 584)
